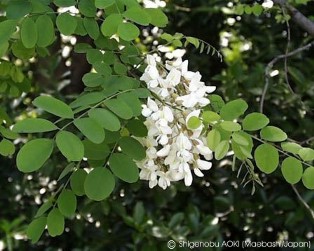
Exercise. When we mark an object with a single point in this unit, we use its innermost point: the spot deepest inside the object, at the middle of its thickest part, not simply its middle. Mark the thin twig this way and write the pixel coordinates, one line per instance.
(271, 64)
(287, 51)
(304, 203)
(301, 20)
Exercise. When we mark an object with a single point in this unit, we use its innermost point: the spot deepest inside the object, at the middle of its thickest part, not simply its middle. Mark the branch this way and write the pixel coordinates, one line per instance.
(303, 202)
(271, 64)
(301, 20)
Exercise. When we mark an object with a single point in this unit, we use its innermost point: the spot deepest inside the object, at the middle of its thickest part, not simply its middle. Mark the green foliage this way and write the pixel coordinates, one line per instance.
(70, 146)
(32, 125)
(292, 170)
(55, 222)
(66, 23)
(123, 167)
(36, 228)
(54, 106)
(267, 158)
(99, 184)
(274, 134)
(255, 121)
(307, 177)
(34, 154)
(67, 203)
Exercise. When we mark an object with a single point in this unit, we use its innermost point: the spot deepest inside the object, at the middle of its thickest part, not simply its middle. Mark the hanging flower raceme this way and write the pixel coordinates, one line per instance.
(175, 149)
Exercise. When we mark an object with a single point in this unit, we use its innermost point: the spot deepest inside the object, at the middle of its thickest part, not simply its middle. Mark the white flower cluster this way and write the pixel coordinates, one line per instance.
(173, 149)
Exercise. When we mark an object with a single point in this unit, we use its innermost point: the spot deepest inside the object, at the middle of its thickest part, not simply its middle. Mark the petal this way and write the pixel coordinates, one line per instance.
(152, 105)
(146, 112)
(168, 114)
(198, 172)
(188, 179)
(164, 151)
(152, 183)
(151, 60)
(203, 165)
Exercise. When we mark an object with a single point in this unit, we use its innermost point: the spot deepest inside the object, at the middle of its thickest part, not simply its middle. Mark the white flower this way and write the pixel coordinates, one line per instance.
(164, 179)
(173, 78)
(172, 149)
(149, 108)
(201, 165)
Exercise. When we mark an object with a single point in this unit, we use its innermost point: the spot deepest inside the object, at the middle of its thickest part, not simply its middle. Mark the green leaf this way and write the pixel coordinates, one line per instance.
(87, 8)
(67, 203)
(91, 129)
(272, 133)
(194, 123)
(240, 139)
(255, 121)
(209, 116)
(17, 9)
(230, 126)
(36, 228)
(291, 147)
(91, 27)
(103, 4)
(55, 222)
(124, 168)
(105, 118)
(110, 26)
(266, 158)
(307, 154)
(7, 133)
(216, 102)
(29, 35)
(233, 109)
(137, 15)
(221, 149)
(193, 41)
(308, 178)
(88, 99)
(93, 79)
(158, 18)
(80, 30)
(34, 154)
(120, 108)
(99, 184)
(77, 182)
(45, 28)
(69, 168)
(6, 147)
(70, 146)
(66, 23)
(128, 31)
(132, 148)
(257, 9)
(139, 212)
(43, 208)
(54, 106)
(19, 50)
(292, 170)
(213, 139)
(7, 27)
(65, 3)
(131, 99)
(96, 151)
(240, 151)
(137, 128)
(120, 68)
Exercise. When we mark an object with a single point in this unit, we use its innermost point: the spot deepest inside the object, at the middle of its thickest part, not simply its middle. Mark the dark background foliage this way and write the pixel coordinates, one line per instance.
(216, 207)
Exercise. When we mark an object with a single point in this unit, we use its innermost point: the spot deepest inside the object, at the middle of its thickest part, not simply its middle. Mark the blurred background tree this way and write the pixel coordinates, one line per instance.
(216, 207)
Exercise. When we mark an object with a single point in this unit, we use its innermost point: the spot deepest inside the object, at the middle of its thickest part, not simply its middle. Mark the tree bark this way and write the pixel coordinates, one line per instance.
(301, 20)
